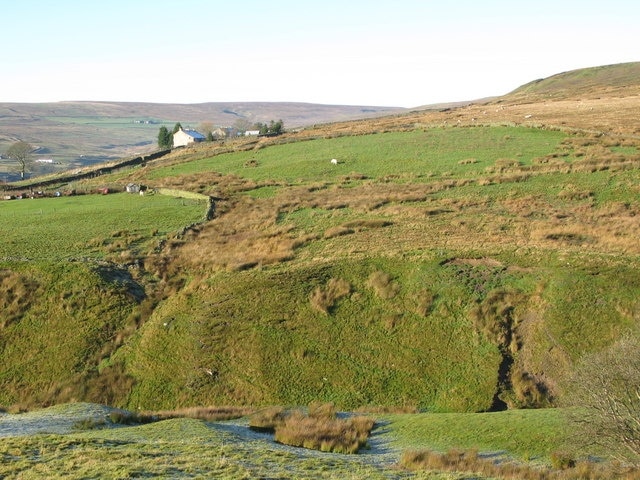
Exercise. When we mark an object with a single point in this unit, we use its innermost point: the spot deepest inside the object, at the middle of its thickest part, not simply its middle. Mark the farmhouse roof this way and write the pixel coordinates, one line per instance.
(194, 134)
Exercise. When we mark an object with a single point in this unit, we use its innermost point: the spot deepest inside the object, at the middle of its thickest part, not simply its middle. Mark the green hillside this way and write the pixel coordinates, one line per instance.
(450, 269)
(584, 81)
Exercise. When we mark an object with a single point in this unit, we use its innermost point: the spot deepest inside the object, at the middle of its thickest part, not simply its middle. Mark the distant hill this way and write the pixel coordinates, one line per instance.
(218, 113)
(585, 81)
(81, 133)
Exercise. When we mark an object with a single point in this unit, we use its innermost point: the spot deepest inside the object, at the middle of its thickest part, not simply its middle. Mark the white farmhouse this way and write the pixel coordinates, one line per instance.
(183, 138)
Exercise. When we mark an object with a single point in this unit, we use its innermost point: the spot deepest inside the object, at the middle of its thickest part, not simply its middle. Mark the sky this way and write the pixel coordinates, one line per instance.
(403, 53)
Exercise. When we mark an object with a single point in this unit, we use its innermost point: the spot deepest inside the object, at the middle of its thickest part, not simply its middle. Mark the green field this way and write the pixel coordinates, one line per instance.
(81, 226)
(414, 156)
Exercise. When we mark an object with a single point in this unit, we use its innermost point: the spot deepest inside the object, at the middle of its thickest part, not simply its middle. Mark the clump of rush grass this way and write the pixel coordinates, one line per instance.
(129, 418)
(563, 467)
(562, 460)
(367, 223)
(467, 161)
(17, 292)
(425, 300)
(338, 231)
(507, 162)
(383, 284)
(322, 410)
(571, 192)
(319, 429)
(387, 409)
(203, 413)
(268, 419)
(327, 435)
(324, 298)
(200, 413)
(88, 424)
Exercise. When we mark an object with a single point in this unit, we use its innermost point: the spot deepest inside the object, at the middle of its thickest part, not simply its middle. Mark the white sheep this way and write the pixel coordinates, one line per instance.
(334, 161)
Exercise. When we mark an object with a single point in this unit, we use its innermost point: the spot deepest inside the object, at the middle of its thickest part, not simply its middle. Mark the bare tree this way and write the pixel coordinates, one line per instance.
(242, 125)
(205, 128)
(21, 153)
(605, 389)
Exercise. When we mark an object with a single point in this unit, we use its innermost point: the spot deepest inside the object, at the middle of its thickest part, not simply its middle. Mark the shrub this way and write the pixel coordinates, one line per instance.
(605, 387)
(527, 391)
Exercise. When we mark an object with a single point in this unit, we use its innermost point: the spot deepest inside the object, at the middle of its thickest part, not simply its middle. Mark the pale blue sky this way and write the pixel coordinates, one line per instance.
(395, 53)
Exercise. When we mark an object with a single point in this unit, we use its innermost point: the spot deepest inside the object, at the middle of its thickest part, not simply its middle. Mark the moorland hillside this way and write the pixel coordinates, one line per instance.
(456, 259)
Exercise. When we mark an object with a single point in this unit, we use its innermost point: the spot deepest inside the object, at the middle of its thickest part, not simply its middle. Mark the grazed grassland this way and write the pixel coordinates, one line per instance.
(93, 226)
(441, 266)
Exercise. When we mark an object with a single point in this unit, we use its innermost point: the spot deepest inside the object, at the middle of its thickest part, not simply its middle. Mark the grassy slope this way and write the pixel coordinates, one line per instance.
(206, 344)
(233, 337)
(67, 298)
(551, 240)
(584, 81)
(462, 221)
(459, 223)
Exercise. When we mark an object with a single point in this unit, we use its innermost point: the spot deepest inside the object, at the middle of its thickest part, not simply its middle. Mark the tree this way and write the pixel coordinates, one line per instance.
(273, 128)
(205, 128)
(263, 129)
(276, 127)
(606, 389)
(164, 138)
(242, 125)
(21, 153)
(176, 128)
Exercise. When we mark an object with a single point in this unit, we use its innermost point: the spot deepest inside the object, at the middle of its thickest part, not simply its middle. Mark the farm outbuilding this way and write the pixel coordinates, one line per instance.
(183, 137)
(219, 133)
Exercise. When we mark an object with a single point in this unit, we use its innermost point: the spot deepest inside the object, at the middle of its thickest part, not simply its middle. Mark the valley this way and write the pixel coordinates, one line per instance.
(453, 264)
